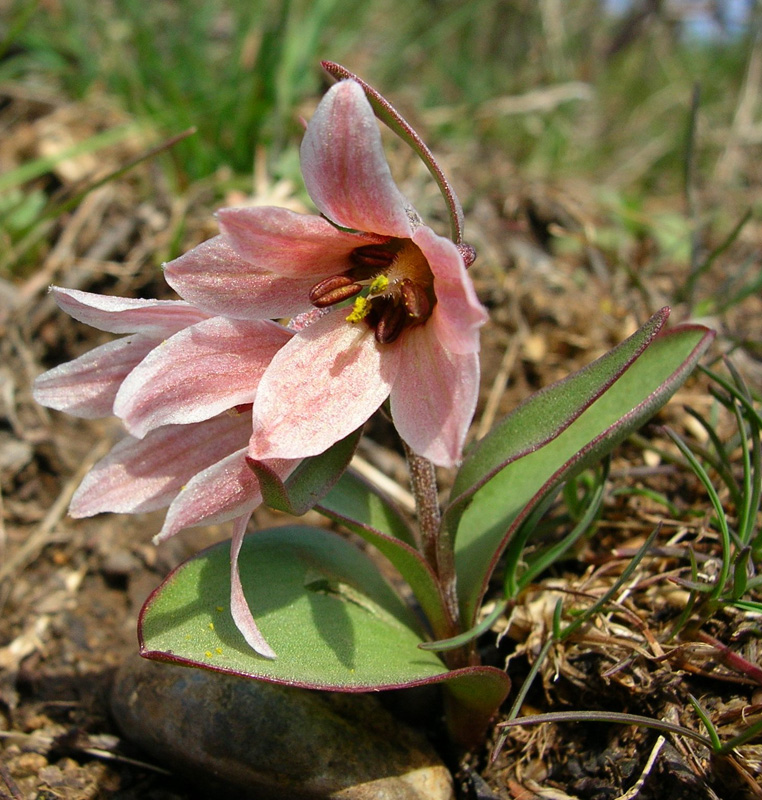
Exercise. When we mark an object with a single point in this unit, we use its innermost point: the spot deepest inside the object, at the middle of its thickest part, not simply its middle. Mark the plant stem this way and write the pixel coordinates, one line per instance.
(423, 481)
(436, 545)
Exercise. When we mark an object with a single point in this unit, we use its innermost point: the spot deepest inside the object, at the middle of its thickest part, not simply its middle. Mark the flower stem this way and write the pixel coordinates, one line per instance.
(435, 543)
(423, 481)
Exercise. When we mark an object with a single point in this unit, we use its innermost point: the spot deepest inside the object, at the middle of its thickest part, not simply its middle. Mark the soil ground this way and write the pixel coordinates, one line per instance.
(70, 591)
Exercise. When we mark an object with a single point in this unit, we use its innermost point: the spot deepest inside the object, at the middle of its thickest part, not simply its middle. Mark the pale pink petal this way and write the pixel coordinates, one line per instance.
(290, 244)
(458, 314)
(434, 396)
(213, 276)
(145, 474)
(239, 608)
(126, 314)
(224, 491)
(345, 169)
(197, 373)
(320, 387)
(87, 386)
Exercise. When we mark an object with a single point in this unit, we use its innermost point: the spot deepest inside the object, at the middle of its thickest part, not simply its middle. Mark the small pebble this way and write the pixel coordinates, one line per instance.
(119, 563)
(271, 741)
(27, 764)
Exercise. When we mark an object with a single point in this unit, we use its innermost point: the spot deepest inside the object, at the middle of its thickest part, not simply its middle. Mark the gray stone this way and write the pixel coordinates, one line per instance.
(271, 741)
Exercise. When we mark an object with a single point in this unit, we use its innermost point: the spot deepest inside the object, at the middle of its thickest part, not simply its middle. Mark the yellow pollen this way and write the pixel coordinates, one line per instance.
(359, 310)
(379, 285)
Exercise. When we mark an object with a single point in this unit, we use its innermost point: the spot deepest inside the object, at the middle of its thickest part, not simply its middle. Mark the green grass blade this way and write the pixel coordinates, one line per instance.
(611, 717)
(39, 166)
(550, 555)
(698, 469)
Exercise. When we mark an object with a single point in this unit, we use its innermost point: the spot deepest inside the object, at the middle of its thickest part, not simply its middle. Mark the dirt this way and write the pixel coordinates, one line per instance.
(70, 591)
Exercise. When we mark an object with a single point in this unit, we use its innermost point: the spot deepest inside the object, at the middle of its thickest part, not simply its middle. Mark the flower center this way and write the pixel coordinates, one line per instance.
(397, 289)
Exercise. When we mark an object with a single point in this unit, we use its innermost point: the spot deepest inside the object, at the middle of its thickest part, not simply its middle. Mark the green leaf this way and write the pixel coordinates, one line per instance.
(309, 482)
(540, 560)
(348, 499)
(358, 506)
(332, 620)
(354, 498)
(555, 435)
(543, 416)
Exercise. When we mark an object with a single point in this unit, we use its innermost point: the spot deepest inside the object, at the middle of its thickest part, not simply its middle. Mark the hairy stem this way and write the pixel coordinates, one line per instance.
(436, 544)
(423, 481)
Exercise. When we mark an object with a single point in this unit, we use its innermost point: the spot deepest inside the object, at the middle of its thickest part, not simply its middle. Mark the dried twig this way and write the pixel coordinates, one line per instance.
(10, 783)
(41, 536)
(385, 483)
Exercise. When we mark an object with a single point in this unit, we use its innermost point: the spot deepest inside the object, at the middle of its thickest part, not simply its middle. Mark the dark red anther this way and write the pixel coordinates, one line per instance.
(333, 290)
(372, 256)
(391, 322)
(415, 300)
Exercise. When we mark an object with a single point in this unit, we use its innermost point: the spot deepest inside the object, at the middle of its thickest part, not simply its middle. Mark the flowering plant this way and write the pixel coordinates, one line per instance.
(225, 408)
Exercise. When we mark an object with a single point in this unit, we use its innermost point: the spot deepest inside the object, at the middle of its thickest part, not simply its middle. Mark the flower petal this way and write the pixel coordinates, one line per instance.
(87, 386)
(215, 277)
(239, 608)
(458, 314)
(199, 372)
(224, 491)
(345, 169)
(145, 474)
(126, 314)
(290, 244)
(434, 396)
(320, 387)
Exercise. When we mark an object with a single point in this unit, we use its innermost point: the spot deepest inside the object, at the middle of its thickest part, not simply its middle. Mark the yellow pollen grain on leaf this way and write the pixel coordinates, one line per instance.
(359, 310)
(220, 609)
(208, 654)
(218, 650)
(211, 626)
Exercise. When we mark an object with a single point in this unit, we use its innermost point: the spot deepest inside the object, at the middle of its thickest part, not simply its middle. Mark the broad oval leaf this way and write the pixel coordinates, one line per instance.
(625, 394)
(345, 497)
(333, 621)
(361, 508)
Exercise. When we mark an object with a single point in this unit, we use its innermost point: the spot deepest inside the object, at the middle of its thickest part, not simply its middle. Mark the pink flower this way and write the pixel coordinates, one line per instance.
(412, 334)
(183, 378)
(178, 382)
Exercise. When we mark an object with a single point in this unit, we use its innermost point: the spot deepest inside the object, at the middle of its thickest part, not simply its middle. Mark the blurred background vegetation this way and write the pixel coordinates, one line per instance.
(547, 90)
